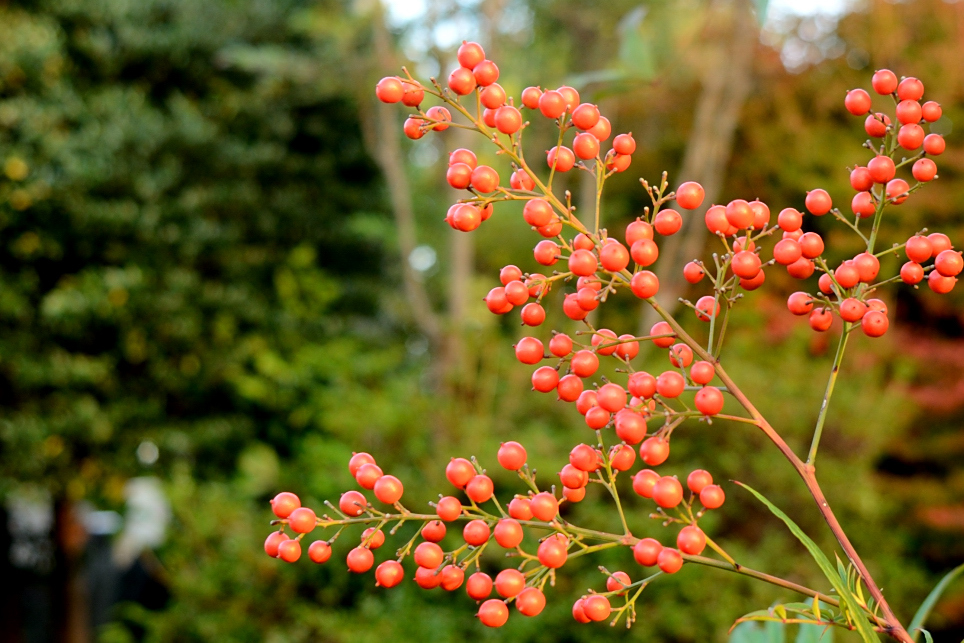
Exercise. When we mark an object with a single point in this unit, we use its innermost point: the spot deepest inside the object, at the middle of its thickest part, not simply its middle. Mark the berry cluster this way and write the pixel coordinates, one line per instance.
(589, 267)
(506, 527)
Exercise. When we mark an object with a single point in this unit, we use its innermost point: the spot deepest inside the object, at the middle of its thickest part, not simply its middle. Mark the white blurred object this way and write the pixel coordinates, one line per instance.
(146, 518)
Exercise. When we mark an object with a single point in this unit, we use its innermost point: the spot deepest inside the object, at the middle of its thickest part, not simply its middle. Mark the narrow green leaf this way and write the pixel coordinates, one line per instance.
(848, 603)
(816, 608)
(925, 608)
(927, 636)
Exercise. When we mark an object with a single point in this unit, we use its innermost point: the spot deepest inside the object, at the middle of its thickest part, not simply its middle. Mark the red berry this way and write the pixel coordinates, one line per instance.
(931, 111)
(355, 463)
(360, 559)
(613, 256)
(691, 540)
(644, 284)
(800, 303)
(602, 129)
(910, 136)
(787, 251)
(302, 520)
(512, 456)
(461, 81)
(668, 492)
(939, 283)
(910, 89)
(857, 102)
(860, 179)
(654, 451)
(519, 508)
(647, 551)
(530, 601)
(352, 503)
(597, 607)
(476, 532)
(320, 551)
(285, 502)
(924, 170)
(948, 263)
(644, 252)
(621, 457)
(908, 111)
(876, 125)
(470, 54)
(289, 550)
(884, 82)
(545, 378)
(618, 582)
(739, 214)
(624, 144)
(429, 555)
(434, 530)
(874, 323)
(585, 146)
(745, 264)
(388, 489)
(811, 245)
(790, 219)
(638, 230)
(389, 90)
(934, 144)
(493, 613)
(479, 586)
(585, 116)
(670, 384)
(689, 195)
(442, 117)
(667, 222)
(864, 204)
(584, 458)
(508, 533)
(492, 96)
(533, 314)
(818, 202)
(508, 119)
(509, 583)
(709, 400)
(712, 496)
(644, 482)
(530, 97)
(852, 310)
(561, 158)
(544, 506)
(642, 384)
(911, 273)
(459, 471)
(706, 308)
(389, 574)
(271, 543)
(480, 488)
(693, 272)
(669, 561)
(702, 372)
(882, 168)
(553, 551)
(486, 73)
(897, 191)
(698, 480)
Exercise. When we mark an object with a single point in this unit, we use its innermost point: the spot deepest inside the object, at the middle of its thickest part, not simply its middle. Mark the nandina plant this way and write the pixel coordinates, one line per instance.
(590, 264)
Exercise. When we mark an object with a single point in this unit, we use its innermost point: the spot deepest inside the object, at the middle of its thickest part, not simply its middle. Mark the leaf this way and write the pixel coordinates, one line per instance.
(925, 608)
(748, 632)
(927, 636)
(848, 603)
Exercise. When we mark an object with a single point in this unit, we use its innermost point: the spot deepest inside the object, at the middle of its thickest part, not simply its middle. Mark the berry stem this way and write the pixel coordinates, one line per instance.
(891, 623)
(831, 381)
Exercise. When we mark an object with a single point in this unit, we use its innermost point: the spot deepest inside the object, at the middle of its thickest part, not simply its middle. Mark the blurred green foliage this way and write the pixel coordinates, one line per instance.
(195, 249)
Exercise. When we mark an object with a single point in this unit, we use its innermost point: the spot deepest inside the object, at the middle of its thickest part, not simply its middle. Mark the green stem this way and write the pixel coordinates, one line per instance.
(822, 417)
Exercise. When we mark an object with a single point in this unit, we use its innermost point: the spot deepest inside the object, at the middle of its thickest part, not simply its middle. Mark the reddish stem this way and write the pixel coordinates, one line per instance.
(805, 471)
